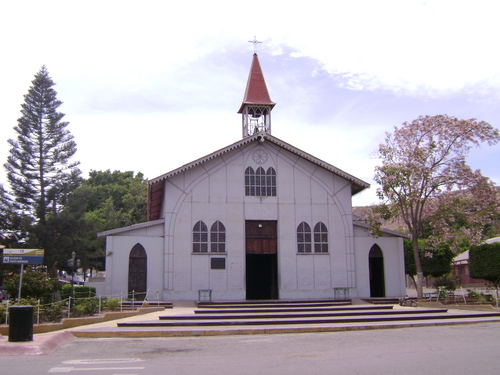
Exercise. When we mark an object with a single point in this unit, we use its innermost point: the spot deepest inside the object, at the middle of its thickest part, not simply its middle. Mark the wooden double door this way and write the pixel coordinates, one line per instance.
(261, 242)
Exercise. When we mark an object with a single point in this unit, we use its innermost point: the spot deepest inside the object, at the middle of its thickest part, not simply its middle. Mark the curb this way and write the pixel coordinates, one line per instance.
(42, 344)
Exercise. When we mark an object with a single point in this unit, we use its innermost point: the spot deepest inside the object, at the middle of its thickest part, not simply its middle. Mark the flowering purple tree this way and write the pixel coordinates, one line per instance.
(424, 179)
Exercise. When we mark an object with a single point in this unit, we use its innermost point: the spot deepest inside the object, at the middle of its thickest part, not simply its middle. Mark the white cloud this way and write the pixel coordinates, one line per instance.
(128, 71)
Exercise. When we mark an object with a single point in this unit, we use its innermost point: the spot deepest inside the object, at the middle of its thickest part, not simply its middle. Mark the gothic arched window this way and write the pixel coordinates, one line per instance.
(320, 238)
(249, 182)
(304, 238)
(271, 182)
(218, 238)
(200, 237)
(260, 183)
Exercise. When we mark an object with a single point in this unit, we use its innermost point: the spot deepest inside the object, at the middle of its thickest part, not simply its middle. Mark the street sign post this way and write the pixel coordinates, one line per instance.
(22, 257)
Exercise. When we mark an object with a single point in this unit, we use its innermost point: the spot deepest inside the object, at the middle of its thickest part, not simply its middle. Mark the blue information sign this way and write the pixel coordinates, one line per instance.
(23, 256)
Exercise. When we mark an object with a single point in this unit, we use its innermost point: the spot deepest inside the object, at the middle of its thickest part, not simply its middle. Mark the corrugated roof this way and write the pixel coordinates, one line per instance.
(131, 227)
(387, 231)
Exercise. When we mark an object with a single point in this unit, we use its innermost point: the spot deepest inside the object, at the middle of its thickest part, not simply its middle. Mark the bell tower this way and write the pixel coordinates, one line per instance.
(257, 105)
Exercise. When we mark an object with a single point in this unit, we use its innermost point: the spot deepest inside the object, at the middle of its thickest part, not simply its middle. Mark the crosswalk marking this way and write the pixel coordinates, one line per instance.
(101, 361)
(69, 369)
(96, 365)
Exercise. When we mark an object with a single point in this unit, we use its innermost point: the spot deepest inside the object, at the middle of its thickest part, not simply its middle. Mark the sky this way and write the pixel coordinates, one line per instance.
(149, 86)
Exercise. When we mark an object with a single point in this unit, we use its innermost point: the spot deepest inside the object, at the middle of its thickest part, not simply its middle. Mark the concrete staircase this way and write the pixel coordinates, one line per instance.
(278, 317)
(304, 313)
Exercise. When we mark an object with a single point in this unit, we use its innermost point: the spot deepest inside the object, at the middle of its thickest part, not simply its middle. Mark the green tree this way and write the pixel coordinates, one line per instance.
(436, 260)
(423, 162)
(39, 167)
(36, 284)
(484, 263)
(106, 200)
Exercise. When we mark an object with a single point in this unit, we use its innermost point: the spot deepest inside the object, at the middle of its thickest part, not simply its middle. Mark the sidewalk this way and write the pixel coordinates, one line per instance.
(46, 343)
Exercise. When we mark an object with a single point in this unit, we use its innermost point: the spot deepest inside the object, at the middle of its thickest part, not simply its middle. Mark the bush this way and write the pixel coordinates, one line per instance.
(85, 306)
(3, 311)
(480, 298)
(53, 312)
(112, 304)
(448, 282)
(35, 285)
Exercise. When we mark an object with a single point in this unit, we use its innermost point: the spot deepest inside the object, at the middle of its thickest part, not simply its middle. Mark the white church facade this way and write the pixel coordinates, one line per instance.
(258, 219)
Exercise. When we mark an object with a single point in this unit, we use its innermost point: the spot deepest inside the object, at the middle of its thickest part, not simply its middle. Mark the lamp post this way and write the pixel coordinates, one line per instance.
(72, 263)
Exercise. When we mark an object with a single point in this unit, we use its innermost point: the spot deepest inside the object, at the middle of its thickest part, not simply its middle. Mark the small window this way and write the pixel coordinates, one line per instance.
(200, 237)
(304, 238)
(320, 238)
(218, 238)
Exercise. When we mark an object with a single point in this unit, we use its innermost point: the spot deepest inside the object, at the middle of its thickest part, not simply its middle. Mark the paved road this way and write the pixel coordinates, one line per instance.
(463, 349)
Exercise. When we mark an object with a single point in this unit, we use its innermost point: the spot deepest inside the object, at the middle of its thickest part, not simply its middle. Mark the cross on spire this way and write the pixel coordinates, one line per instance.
(255, 42)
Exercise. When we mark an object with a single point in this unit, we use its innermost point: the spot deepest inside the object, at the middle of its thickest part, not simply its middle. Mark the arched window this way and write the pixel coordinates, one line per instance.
(271, 182)
(260, 183)
(218, 238)
(249, 182)
(200, 237)
(320, 238)
(304, 238)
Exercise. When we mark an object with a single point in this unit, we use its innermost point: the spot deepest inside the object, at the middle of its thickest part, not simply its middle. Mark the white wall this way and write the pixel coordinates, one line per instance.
(215, 190)
(118, 251)
(392, 250)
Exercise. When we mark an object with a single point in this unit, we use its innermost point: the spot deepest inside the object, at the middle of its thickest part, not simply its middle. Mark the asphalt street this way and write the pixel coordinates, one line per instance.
(460, 349)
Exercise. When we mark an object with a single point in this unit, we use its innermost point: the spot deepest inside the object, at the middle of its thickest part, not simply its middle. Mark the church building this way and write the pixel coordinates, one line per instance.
(258, 219)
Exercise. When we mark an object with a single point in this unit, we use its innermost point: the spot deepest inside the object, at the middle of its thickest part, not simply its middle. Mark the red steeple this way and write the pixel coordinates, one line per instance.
(257, 105)
(256, 92)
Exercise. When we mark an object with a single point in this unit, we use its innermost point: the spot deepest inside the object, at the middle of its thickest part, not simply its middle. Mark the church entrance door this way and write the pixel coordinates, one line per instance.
(137, 273)
(261, 259)
(376, 265)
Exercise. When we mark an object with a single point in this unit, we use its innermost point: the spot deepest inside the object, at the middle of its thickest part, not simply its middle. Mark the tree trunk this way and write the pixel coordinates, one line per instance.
(418, 265)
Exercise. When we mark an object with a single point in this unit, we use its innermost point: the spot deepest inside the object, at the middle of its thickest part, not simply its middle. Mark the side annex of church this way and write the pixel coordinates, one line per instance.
(258, 219)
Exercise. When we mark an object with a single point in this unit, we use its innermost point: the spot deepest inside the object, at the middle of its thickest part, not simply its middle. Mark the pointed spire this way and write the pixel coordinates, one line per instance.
(256, 91)
(257, 104)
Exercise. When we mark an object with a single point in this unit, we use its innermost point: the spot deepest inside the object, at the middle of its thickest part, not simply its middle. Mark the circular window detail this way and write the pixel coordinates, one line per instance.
(259, 156)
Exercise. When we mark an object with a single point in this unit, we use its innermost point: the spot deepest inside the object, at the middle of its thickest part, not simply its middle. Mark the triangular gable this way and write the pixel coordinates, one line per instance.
(155, 190)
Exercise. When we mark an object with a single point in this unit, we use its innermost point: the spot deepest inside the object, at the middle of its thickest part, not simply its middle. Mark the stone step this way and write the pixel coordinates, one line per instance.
(294, 314)
(300, 308)
(308, 321)
(377, 301)
(269, 303)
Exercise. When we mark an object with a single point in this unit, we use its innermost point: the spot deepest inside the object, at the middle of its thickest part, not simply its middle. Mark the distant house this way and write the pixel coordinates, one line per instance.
(460, 269)
(257, 219)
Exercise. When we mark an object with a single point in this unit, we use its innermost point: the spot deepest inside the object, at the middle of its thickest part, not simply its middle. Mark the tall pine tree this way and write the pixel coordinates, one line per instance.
(38, 167)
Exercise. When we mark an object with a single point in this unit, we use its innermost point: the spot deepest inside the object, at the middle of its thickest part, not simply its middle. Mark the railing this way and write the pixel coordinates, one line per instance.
(66, 307)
